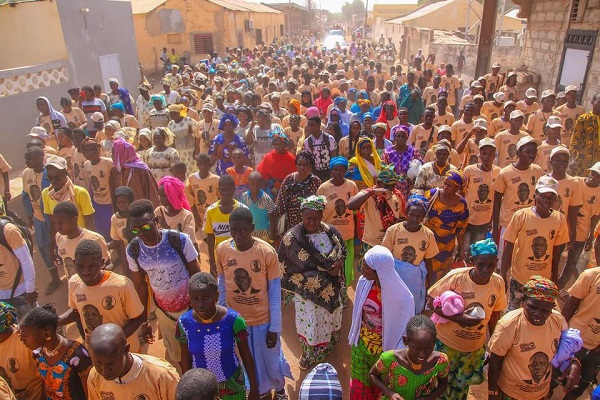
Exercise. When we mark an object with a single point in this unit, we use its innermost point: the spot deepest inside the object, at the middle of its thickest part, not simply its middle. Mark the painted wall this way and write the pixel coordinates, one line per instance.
(35, 27)
(179, 20)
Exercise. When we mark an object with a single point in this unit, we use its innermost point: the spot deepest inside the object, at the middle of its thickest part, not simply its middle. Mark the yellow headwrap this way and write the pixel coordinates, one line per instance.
(365, 173)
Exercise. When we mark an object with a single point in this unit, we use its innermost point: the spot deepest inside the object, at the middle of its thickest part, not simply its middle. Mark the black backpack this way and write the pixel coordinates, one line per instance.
(25, 233)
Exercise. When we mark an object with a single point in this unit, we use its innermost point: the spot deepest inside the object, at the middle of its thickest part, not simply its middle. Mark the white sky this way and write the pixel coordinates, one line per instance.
(336, 5)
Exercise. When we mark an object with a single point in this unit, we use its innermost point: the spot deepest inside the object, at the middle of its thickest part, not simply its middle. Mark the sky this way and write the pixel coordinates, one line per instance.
(336, 5)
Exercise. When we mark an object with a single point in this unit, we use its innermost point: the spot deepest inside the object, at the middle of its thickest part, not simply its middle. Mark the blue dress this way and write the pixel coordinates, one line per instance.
(224, 161)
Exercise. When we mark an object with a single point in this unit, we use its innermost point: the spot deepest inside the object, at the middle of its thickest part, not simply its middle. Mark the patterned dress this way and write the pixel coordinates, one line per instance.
(160, 162)
(224, 161)
(585, 143)
(401, 162)
(64, 379)
(212, 346)
(185, 141)
(288, 198)
(405, 382)
(158, 119)
(446, 223)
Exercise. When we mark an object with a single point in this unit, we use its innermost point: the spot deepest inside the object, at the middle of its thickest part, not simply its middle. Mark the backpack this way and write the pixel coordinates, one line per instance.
(25, 233)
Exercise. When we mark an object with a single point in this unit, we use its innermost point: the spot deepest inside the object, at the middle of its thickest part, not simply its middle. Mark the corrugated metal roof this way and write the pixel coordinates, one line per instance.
(145, 6)
(421, 12)
(239, 5)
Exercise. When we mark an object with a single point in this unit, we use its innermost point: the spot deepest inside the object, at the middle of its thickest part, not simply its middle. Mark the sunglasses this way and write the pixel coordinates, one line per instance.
(137, 229)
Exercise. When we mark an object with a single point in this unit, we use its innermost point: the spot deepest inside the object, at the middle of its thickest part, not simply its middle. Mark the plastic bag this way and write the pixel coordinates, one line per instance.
(414, 168)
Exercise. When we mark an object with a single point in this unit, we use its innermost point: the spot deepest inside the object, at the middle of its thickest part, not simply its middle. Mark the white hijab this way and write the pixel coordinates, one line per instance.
(397, 303)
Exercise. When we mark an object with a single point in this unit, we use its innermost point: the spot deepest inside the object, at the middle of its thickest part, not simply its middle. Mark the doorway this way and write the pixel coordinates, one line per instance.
(110, 66)
(259, 38)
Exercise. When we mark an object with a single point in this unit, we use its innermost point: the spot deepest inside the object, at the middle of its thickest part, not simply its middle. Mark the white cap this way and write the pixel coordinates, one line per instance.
(554, 122)
(486, 141)
(509, 103)
(97, 117)
(496, 65)
(595, 168)
(570, 88)
(547, 184)
(56, 162)
(39, 132)
(526, 140)
(480, 123)
(444, 128)
(516, 114)
(208, 107)
(499, 97)
(531, 93)
(478, 97)
(548, 93)
(559, 150)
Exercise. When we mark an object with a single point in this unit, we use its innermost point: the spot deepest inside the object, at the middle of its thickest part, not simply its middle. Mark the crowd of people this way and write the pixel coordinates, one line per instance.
(292, 176)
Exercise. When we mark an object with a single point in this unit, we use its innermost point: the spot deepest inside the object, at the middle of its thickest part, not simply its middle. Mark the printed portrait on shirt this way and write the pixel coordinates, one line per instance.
(35, 192)
(92, 317)
(538, 368)
(512, 151)
(523, 192)
(243, 281)
(539, 247)
(483, 192)
(409, 254)
(340, 208)
(201, 197)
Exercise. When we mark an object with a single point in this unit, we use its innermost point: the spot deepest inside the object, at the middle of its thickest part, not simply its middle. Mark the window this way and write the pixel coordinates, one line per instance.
(578, 50)
(203, 43)
(174, 38)
(577, 10)
(240, 40)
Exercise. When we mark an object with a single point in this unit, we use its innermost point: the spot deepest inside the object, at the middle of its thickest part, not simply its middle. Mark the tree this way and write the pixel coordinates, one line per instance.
(350, 9)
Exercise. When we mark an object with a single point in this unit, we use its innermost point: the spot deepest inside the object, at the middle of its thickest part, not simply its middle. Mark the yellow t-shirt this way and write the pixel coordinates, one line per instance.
(403, 244)
(492, 83)
(117, 229)
(247, 274)
(217, 223)
(496, 126)
(470, 153)
(450, 84)
(506, 147)
(419, 136)
(589, 209)
(296, 138)
(536, 124)
(182, 222)
(202, 192)
(479, 194)
(80, 177)
(32, 185)
(454, 159)
(4, 168)
(19, 368)
(336, 213)
(587, 289)
(99, 175)
(527, 109)
(460, 129)
(527, 349)
(9, 263)
(492, 111)
(534, 238)
(569, 117)
(569, 194)
(206, 132)
(543, 156)
(446, 119)
(82, 201)
(113, 300)
(156, 380)
(5, 391)
(490, 297)
(517, 187)
(373, 234)
(67, 154)
(66, 248)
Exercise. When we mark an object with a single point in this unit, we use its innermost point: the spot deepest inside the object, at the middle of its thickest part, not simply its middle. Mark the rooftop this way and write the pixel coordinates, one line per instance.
(145, 6)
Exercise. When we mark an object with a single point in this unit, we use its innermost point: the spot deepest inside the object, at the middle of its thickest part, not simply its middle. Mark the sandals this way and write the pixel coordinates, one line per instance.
(303, 364)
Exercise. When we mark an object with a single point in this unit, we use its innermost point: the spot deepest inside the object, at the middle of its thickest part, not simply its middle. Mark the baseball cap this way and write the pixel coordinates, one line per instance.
(97, 117)
(547, 184)
(208, 107)
(480, 123)
(548, 93)
(266, 105)
(496, 65)
(476, 84)
(560, 95)
(554, 122)
(478, 97)
(526, 140)
(559, 150)
(342, 82)
(39, 132)
(531, 93)
(499, 97)
(595, 168)
(570, 88)
(487, 142)
(292, 80)
(509, 103)
(516, 114)
(444, 128)
(56, 162)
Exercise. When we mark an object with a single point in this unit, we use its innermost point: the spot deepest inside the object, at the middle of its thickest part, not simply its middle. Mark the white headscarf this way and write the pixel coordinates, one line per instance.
(397, 303)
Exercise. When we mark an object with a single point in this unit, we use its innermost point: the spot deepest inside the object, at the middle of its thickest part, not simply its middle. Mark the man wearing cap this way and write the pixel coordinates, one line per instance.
(506, 141)
(444, 136)
(584, 146)
(509, 88)
(587, 219)
(469, 146)
(291, 92)
(91, 105)
(464, 125)
(534, 241)
(514, 187)
(553, 130)
(207, 129)
(476, 89)
(536, 124)
(479, 191)
(494, 108)
(529, 104)
(492, 81)
(570, 111)
(502, 123)
(39, 134)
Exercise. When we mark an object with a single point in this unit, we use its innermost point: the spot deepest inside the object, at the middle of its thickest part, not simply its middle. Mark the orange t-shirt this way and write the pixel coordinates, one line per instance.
(403, 244)
(589, 209)
(479, 193)
(506, 147)
(517, 187)
(587, 289)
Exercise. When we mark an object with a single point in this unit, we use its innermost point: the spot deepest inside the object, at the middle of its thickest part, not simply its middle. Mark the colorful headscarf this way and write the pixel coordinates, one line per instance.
(399, 128)
(276, 132)
(484, 247)
(417, 200)
(363, 101)
(158, 97)
(364, 171)
(339, 99)
(8, 316)
(124, 155)
(228, 117)
(338, 160)
(313, 202)
(118, 106)
(168, 135)
(457, 177)
(312, 112)
(175, 191)
(540, 288)
(115, 125)
(296, 104)
(387, 175)
(381, 125)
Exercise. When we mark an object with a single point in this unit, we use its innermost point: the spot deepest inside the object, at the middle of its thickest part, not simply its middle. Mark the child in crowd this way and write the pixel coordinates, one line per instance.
(63, 364)
(416, 371)
(262, 207)
(174, 211)
(179, 171)
(202, 188)
(98, 170)
(98, 297)
(216, 221)
(295, 134)
(120, 233)
(66, 148)
(209, 333)
(69, 235)
(239, 172)
(197, 384)
(80, 177)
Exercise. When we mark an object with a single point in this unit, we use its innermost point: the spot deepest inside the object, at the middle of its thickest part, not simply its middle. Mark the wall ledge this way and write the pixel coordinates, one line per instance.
(24, 79)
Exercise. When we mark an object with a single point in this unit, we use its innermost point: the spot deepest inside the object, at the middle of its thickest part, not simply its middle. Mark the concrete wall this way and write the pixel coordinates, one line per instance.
(544, 41)
(43, 41)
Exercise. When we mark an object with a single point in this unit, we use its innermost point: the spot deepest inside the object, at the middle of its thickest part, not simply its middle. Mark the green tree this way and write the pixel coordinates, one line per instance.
(350, 9)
